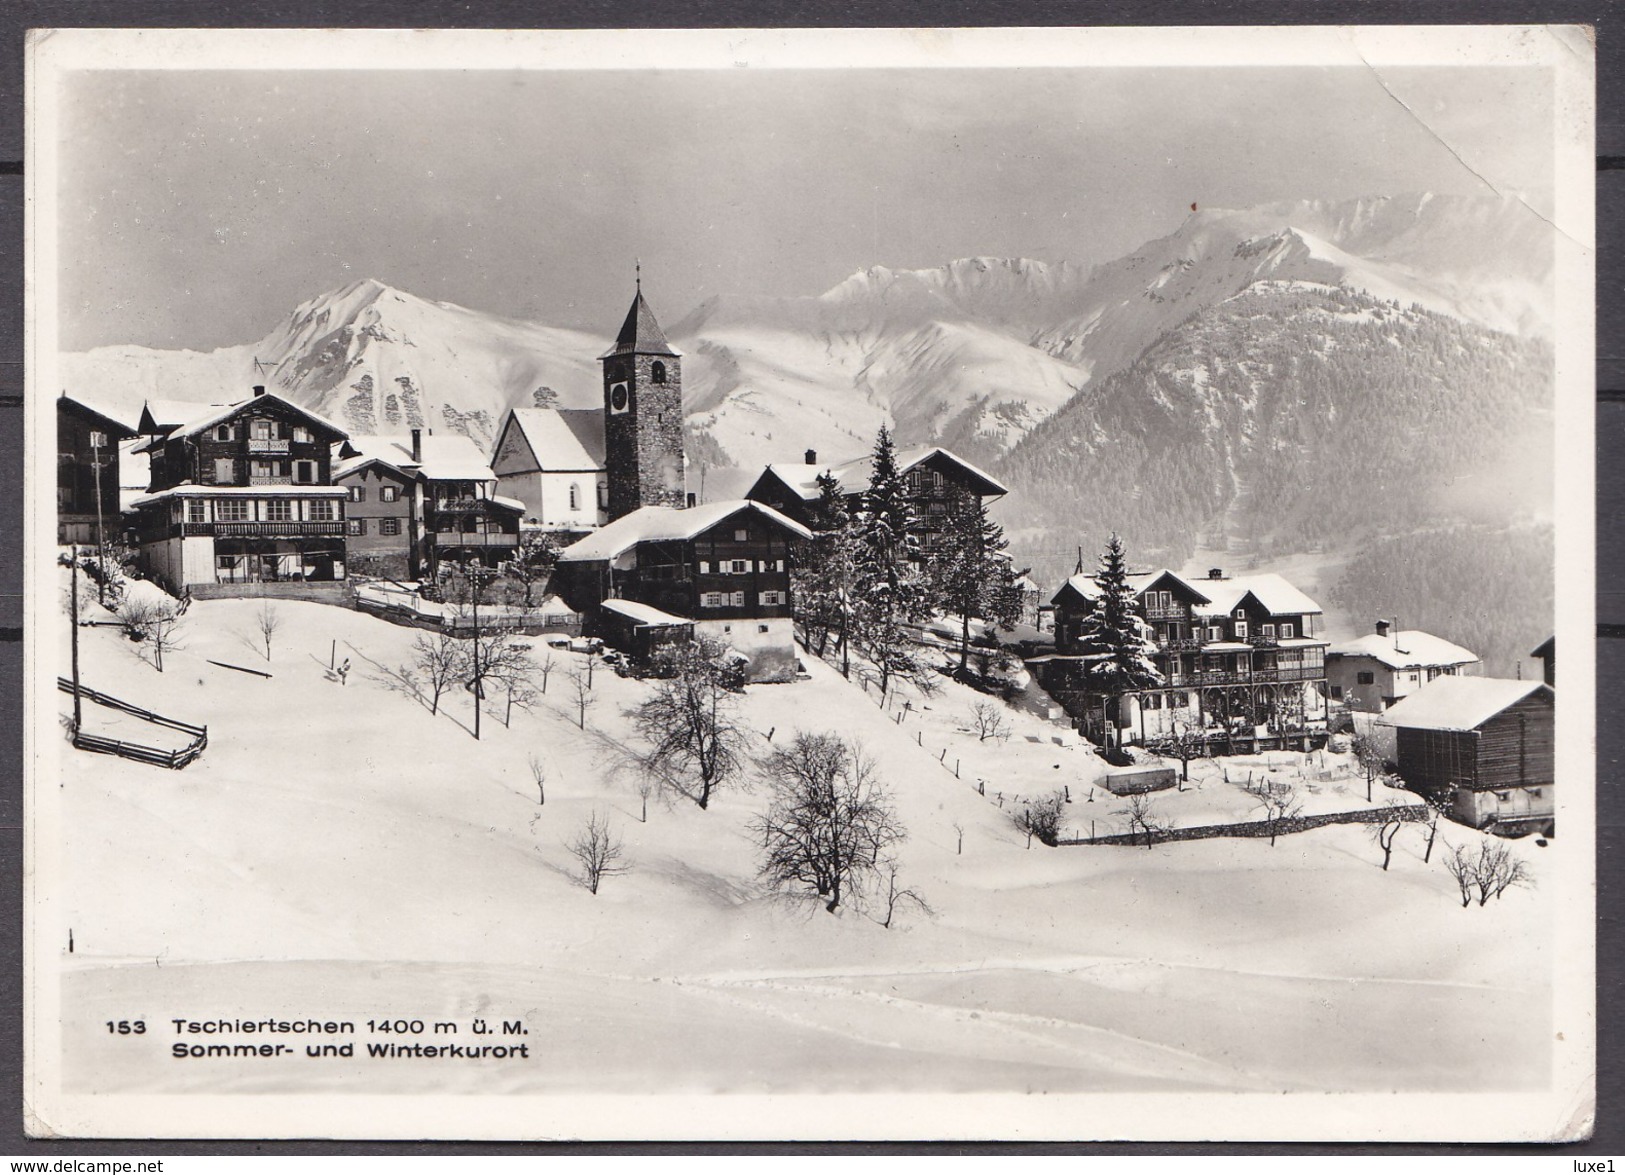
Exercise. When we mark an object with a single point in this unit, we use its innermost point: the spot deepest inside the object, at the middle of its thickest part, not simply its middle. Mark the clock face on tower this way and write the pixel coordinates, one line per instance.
(618, 397)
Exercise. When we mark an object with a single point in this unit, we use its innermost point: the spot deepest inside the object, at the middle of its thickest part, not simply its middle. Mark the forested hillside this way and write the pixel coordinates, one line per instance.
(1488, 589)
(1289, 418)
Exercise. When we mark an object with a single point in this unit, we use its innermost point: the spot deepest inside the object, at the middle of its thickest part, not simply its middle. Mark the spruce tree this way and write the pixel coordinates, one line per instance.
(888, 595)
(969, 571)
(1115, 631)
(823, 572)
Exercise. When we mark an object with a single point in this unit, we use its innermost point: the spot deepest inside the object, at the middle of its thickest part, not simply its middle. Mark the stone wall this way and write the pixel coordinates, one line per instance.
(1408, 812)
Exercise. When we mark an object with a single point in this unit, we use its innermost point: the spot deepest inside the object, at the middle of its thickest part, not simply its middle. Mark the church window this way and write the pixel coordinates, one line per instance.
(657, 372)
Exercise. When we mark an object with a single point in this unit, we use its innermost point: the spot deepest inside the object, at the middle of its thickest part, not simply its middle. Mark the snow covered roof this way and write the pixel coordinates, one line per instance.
(450, 458)
(853, 475)
(221, 412)
(643, 613)
(653, 524)
(187, 490)
(1139, 581)
(1459, 703)
(640, 333)
(563, 440)
(163, 415)
(1408, 649)
(113, 422)
(509, 503)
(1278, 597)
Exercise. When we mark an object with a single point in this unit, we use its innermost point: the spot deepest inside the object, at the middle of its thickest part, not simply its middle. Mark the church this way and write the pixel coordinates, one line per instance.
(659, 567)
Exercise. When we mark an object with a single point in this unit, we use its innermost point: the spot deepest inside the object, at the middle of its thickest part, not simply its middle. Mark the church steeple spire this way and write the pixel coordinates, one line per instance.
(643, 413)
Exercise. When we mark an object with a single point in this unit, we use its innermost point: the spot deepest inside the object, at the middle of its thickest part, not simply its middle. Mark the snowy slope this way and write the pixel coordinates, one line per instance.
(397, 867)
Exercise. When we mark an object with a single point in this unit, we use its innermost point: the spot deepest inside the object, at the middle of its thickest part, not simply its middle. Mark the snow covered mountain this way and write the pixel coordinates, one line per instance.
(973, 354)
(976, 353)
(369, 356)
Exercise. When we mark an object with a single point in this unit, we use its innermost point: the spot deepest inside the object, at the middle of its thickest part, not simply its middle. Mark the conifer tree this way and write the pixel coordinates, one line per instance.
(824, 568)
(1116, 632)
(970, 573)
(888, 594)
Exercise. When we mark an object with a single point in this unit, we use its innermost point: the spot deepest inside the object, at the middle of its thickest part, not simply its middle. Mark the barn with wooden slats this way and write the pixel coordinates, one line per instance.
(1489, 741)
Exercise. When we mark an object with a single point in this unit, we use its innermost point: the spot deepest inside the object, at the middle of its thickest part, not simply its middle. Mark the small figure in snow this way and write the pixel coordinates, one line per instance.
(344, 672)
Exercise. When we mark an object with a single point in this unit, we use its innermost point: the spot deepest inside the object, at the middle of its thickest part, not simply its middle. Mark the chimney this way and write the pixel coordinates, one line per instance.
(1215, 573)
(1382, 628)
(259, 389)
(812, 456)
(417, 445)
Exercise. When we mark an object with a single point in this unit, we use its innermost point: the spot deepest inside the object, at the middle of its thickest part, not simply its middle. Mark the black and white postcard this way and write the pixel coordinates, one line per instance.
(844, 584)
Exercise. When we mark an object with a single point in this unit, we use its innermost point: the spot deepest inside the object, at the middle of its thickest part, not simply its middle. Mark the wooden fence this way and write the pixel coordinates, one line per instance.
(139, 752)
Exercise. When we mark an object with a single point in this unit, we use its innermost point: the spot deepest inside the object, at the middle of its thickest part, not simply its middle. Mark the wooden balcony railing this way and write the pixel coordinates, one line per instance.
(281, 529)
(267, 445)
(445, 538)
(270, 480)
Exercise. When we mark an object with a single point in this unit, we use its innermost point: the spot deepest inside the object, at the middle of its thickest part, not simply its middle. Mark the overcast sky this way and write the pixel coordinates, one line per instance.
(198, 208)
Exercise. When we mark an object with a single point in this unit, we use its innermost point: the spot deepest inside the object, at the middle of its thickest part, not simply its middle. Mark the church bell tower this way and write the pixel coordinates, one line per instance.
(643, 415)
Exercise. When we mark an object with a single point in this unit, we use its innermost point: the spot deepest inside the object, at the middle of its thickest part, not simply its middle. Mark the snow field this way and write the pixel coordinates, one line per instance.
(338, 850)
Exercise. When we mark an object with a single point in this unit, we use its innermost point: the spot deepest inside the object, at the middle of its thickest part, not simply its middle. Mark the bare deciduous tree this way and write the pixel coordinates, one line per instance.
(1143, 818)
(156, 622)
(1461, 866)
(1439, 804)
(1386, 830)
(959, 844)
(499, 663)
(1369, 755)
(1042, 818)
(544, 667)
(1279, 801)
(599, 851)
(646, 788)
(581, 692)
(830, 822)
(267, 621)
(691, 721)
(538, 775)
(987, 720)
(437, 661)
(897, 896)
(1183, 742)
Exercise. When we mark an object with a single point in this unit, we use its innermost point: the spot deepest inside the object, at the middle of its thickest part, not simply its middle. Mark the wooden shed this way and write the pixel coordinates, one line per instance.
(1488, 740)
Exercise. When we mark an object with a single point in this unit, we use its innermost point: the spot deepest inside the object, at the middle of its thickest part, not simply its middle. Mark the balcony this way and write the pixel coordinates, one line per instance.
(454, 505)
(270, 530)
(270, 479)
(1179, 645)
(1170, 613)
(267, 445)
(444, 539)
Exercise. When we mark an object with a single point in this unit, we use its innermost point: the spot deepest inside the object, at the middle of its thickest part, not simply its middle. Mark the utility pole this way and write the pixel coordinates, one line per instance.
(73, 613)
(96, 439)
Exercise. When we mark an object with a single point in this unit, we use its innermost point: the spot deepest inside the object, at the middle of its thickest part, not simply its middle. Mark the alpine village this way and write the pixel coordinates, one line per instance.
(1185, 706)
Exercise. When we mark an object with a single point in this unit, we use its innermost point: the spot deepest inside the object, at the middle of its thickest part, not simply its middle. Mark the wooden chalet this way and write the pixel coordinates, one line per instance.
(87, 472)
(417, 501)
(1486, 743)
(722, 567)
(1240, 658)
(241, 501)
(936, 478)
